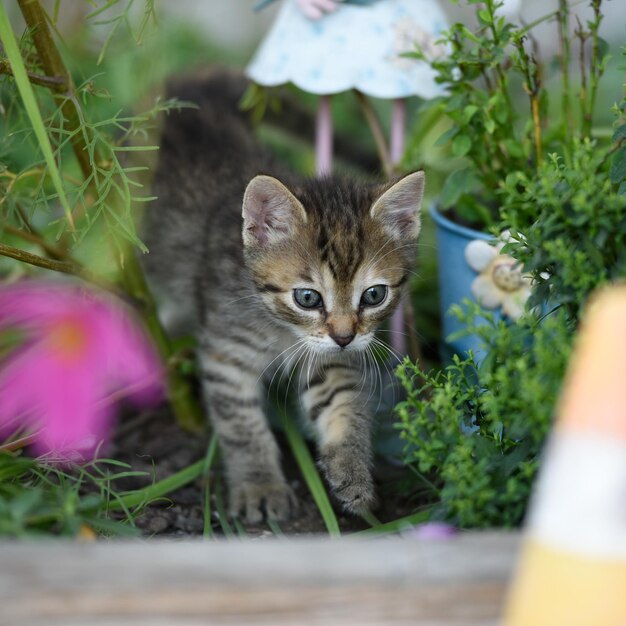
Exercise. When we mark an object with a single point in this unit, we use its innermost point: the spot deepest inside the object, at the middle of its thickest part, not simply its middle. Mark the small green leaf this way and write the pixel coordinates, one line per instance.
(459, 182)
(618, 167)
(461, 145)
(603, 48)
(445, 137)
(619, 134)
(484, 16)
(469, 112)
(468, 33)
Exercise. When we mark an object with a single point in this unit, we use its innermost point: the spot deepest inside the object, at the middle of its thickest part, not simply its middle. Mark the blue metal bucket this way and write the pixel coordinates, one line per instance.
(455, 282)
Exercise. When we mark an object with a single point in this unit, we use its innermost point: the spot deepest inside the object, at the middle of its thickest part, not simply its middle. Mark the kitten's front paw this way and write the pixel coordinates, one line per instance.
(255, 501)
(350, 478)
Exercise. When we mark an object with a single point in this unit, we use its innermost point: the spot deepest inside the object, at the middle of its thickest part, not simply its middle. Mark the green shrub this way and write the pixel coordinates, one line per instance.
(501, 97)
(478, 429)
(475, 431)
(569, 226)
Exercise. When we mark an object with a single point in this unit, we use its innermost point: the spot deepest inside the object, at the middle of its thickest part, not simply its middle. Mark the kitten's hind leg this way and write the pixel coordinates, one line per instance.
(335, 404)
(251, 458)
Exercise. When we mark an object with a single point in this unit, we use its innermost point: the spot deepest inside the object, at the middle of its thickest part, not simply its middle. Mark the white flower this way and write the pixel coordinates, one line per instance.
(500, 282)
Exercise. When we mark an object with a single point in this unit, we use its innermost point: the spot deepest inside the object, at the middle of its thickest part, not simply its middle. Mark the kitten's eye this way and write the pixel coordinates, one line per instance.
(374, 295)
(307, 298)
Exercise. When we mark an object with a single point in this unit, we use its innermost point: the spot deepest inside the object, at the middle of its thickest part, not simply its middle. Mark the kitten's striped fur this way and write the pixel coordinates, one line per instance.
(234, 280)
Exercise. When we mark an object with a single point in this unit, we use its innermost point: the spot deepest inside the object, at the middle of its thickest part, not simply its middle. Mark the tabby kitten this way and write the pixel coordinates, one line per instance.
(275, 271)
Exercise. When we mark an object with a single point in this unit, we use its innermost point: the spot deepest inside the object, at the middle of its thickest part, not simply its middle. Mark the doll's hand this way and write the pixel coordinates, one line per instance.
(315, 9)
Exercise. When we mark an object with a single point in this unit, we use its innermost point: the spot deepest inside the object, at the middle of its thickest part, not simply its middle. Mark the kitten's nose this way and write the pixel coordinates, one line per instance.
(342, 340)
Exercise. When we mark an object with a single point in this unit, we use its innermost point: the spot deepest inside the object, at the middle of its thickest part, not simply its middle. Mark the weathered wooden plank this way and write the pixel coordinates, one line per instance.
(395, 581)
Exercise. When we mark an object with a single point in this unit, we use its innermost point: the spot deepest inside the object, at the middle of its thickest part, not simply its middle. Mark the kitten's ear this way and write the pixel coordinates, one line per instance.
(270, 212)
(399, 207)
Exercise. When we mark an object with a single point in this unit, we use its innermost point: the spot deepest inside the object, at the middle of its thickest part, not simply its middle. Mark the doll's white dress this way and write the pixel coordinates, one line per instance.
(355, 47)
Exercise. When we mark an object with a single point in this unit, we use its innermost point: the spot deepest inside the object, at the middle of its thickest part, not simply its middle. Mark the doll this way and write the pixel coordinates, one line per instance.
(326, 47)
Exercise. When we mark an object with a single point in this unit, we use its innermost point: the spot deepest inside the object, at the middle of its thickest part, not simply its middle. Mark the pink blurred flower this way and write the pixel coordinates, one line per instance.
(432, 531)
(82, 351)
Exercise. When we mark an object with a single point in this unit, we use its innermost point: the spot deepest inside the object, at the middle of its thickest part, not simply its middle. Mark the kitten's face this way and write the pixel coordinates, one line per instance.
(330, 260)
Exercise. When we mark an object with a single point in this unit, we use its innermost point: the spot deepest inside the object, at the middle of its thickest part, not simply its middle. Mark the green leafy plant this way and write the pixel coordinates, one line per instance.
(474, 431)
(68, 203)
(73, 157)
(568, 224)
(39, 498)
(487, 73)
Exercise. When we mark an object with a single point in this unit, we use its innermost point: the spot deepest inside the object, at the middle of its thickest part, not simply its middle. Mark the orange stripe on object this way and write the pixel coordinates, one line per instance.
(553, 588)
(595, 389)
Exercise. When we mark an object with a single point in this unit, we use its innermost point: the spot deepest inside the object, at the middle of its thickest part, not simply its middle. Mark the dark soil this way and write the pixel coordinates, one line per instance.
(154, 443)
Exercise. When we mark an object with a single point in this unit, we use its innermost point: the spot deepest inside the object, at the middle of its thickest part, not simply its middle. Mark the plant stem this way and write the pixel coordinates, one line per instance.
(187, 411)
(582, 36)
(596, 66)
(52, 82)
(53, 66)
(63, 266)
(503, 83)
(565, 57)
(377, 132)
(532, 85)
(34, 236)
(52, 251)
(66, 267)
(22, 442)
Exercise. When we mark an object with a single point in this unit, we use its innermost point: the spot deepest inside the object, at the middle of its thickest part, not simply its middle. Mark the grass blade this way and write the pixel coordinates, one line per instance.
(371, 519)
(310, 474)
(207, 529)
(241, 531)
(276, 529)
(209, 460)
(160, 488)
(397, 525)
(221, 511)
(18, 68)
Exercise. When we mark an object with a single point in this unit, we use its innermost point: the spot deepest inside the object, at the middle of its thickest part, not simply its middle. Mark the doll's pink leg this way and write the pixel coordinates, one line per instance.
(324, 138)
(396, 149)
(398, 130)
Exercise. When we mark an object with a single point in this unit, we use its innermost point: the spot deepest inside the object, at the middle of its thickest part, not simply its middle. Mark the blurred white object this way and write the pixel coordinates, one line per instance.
(353, 47)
